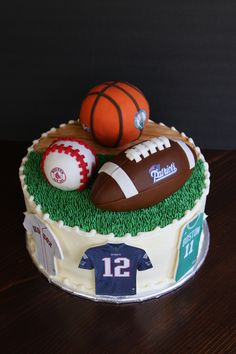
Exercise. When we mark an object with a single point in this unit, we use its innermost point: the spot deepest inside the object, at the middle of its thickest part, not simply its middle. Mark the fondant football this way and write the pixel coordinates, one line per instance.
(143, 175)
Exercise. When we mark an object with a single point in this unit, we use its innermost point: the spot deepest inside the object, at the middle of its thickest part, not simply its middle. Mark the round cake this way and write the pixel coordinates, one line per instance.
(117, 255)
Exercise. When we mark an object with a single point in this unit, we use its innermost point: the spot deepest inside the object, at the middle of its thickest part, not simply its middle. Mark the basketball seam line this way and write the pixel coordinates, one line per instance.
(92, 115)
(129, 95)
(103, 94)
(136, 88)
(132, 99)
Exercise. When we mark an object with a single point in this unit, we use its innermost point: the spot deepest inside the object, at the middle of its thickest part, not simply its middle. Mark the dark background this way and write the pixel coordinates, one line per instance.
(182, 54)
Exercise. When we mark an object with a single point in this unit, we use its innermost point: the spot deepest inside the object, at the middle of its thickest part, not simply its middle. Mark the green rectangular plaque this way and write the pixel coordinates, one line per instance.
(188, 246)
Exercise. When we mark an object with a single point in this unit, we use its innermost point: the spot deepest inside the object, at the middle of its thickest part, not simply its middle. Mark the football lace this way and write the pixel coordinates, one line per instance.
(146, 148)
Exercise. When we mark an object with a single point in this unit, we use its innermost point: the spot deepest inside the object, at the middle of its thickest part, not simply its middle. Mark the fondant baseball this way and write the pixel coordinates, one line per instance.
(68, 163)
(114, 113)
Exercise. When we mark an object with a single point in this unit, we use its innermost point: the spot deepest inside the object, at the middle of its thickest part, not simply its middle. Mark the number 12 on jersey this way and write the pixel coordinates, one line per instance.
(116, 267)
(188, 246)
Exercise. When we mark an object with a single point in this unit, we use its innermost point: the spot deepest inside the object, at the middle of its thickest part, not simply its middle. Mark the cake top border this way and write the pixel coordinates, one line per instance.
(38, 210)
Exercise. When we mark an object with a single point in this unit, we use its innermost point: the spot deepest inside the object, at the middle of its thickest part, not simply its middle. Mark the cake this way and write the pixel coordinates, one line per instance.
(114, 256)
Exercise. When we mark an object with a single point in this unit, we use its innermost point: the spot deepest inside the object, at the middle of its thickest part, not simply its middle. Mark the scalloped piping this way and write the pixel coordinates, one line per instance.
(111, 236)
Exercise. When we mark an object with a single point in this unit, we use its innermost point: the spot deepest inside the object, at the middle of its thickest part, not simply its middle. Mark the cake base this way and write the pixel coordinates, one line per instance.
(162, 290)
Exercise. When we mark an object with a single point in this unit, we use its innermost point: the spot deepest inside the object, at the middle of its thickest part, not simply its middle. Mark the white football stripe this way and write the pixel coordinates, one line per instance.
(121, 178)
(108, 167)
(188, 152)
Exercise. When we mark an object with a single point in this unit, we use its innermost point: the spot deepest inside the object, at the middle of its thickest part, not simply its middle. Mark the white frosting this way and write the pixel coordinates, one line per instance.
(161, 245)
(62, 125)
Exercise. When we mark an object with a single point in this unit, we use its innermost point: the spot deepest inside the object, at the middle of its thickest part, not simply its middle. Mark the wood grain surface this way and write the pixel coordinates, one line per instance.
(75, 130)
(37, 317)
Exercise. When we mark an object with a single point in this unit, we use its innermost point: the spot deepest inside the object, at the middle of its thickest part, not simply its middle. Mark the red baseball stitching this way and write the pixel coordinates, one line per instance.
(81, 142)
(73, 153)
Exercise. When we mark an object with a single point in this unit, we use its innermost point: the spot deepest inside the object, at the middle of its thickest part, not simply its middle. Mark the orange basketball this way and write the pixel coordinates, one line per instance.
(115, 113)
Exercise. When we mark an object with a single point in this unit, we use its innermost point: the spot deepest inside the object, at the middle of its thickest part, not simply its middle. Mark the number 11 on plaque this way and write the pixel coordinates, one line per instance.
(189, 246)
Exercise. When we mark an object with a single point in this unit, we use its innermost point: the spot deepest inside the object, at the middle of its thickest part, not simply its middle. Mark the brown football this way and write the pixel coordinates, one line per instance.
(143, 175)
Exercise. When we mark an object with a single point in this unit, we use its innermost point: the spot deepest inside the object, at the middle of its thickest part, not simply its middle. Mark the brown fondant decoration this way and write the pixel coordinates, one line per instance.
(75, 130)
(107, 192)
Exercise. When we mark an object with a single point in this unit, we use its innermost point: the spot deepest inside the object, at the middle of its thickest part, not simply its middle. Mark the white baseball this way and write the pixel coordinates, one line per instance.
(68, 164)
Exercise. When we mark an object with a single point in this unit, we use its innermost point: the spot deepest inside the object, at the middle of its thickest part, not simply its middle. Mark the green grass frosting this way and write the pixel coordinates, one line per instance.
(76, 209)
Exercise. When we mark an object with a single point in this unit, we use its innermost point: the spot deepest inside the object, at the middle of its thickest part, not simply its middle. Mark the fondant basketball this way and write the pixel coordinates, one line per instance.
(115, 113)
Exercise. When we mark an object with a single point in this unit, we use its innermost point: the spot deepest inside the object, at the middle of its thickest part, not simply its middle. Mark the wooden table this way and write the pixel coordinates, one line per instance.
(37, 317)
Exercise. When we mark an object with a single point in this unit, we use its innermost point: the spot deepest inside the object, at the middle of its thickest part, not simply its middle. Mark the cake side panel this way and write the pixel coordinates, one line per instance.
(161, 245)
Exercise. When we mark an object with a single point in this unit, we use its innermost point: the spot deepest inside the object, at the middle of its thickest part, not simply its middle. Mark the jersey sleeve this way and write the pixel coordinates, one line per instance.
(86, 261)
(144, 262)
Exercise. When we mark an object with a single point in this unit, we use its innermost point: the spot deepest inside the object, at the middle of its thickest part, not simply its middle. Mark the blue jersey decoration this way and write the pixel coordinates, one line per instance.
(115, 267)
